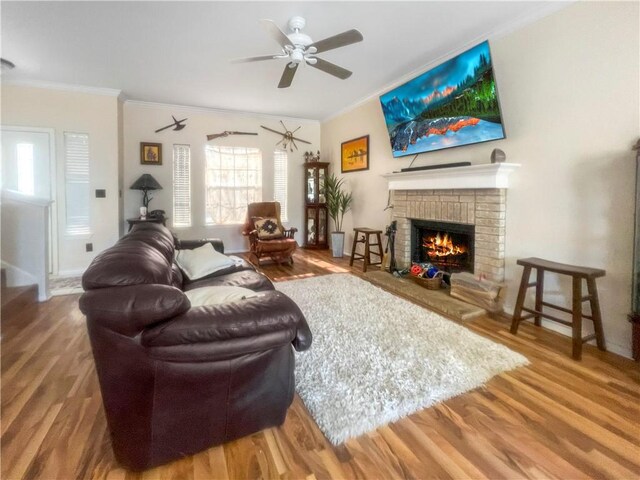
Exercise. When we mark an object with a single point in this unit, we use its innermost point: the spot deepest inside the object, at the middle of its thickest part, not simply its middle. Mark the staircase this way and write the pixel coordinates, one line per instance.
(15, 298)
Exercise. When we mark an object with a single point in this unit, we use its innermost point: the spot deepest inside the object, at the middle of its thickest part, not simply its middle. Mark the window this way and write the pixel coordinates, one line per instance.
(181, 186)
(233, 180)
(26, 180)
(280, 181)
(76, 176)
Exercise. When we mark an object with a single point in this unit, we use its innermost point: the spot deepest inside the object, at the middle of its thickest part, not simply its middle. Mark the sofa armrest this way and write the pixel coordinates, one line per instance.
(130, 309)
(260, 316)
(217, 244)
(252, 234)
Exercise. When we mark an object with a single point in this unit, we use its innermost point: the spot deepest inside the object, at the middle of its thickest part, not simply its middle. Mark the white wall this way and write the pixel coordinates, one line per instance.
(568, 87)
(25, 253)
(68, 111)
(140, 122)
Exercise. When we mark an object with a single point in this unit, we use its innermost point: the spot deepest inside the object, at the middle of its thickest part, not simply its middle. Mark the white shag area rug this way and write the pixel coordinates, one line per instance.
(376, 358)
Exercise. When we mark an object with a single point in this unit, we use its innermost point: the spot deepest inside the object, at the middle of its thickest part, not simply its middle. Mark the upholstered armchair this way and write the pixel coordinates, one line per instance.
(267, 236)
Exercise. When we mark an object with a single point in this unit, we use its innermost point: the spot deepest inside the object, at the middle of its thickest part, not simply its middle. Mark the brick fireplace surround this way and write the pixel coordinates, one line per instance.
(472, 195)
(485, 208)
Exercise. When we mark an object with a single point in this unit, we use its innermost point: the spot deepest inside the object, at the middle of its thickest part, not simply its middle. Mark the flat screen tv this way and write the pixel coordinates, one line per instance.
(453, 104)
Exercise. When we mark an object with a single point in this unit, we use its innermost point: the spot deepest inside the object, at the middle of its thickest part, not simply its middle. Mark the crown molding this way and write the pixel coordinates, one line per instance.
(218, 111)
(493, 34)
(109, 92)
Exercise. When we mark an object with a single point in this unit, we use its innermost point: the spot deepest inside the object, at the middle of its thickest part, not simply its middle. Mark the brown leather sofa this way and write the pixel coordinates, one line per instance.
(176, 380)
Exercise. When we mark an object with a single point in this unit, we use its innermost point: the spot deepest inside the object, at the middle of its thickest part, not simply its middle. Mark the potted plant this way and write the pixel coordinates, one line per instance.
(338, 203)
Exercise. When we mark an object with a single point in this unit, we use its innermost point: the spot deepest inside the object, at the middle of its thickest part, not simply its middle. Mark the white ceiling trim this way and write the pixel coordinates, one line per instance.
(218, 111)
(109, 92)
(491, 34)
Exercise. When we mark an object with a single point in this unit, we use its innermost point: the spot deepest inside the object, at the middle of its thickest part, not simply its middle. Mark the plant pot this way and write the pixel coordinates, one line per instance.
(337, 244)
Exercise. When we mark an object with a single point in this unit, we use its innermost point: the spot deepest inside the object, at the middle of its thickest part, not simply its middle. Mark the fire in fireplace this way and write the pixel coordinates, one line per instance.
(447, 245)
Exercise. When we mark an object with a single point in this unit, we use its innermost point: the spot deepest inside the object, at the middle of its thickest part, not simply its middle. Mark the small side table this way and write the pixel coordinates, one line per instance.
(135, 221)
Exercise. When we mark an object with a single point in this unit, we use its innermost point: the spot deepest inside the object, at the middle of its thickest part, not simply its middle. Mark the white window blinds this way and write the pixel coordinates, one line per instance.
(280, 185)
(76, 175)
(181, 186)
(233, 180)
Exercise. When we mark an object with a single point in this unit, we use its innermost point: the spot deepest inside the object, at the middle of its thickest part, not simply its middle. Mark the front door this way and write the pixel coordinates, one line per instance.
(28, 168)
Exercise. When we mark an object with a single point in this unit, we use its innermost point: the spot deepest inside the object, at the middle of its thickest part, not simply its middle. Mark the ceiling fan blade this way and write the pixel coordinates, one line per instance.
(257, 59)
(331, 69)
(287, 75)
(275, 32)
(340, 40)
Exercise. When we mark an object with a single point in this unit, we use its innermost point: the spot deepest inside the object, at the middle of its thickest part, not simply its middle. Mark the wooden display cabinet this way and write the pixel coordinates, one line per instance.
(316, 220)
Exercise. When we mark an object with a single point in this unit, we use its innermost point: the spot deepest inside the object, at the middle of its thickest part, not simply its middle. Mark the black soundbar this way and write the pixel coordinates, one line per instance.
(433, 167)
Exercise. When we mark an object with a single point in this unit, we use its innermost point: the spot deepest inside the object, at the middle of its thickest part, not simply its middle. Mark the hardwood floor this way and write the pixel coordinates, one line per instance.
(556, 418)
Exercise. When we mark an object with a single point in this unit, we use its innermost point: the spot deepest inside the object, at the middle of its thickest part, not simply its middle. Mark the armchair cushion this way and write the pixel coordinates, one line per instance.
(268, 228)
(217, 295)
(201, 261)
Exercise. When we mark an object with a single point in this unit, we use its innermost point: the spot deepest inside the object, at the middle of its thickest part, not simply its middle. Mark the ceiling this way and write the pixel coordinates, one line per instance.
(179, 52)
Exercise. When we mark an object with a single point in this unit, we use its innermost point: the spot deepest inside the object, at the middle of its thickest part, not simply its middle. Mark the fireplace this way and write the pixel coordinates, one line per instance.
(447, 245)
(470, 196)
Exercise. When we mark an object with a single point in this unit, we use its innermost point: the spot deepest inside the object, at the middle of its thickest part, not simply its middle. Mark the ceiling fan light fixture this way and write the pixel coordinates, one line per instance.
(297, 56)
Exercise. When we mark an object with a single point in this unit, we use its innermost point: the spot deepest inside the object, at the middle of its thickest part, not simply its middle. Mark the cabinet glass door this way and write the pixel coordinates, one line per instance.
(322, 225)
(321, 174)
(311, 226)
(311, 185)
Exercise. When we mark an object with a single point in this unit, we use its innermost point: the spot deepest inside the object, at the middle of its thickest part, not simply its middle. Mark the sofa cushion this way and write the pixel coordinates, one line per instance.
(202, 261)
(217, 295)
(246, 278)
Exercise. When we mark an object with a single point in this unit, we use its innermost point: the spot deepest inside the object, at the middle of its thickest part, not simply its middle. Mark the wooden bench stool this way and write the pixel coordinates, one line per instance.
(578, 274)
(366, 233)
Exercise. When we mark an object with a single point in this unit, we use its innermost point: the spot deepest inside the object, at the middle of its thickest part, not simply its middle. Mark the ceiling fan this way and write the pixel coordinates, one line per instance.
(297, 47)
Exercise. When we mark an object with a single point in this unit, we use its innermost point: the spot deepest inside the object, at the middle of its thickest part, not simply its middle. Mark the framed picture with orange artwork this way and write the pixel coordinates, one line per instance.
(354, 155)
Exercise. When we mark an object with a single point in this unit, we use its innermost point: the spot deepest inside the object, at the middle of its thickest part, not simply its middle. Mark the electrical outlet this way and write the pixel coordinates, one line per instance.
(89, 247)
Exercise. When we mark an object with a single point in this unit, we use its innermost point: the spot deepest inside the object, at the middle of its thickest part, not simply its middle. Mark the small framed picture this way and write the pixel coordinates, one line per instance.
(354, 155)
(150, 153)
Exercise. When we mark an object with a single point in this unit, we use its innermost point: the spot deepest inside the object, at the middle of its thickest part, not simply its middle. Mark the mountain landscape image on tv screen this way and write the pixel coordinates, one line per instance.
(453, 104)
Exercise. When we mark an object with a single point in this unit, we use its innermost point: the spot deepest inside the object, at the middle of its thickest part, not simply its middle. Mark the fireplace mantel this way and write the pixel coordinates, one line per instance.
(491, 175)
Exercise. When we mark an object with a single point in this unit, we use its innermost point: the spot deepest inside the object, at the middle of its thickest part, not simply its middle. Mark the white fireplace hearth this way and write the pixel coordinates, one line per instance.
(474, 195)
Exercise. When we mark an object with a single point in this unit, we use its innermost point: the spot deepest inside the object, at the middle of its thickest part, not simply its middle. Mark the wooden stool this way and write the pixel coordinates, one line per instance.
(366, 233)
(578, 274)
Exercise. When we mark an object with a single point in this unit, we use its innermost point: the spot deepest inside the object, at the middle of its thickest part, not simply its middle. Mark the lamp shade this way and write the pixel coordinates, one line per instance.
(146, 182)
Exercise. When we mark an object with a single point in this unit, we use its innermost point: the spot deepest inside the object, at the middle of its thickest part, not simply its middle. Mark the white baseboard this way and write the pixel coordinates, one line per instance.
(622, 350)
(17, 277)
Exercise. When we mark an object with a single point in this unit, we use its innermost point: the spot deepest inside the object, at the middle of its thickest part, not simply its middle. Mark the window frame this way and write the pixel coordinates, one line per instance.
(257, 188)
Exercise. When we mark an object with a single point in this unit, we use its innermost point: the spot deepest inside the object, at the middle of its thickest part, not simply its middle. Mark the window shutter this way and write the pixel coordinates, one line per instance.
(280, 185)
(181, 186)
(77, 193)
